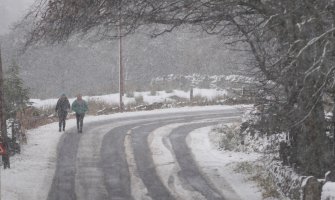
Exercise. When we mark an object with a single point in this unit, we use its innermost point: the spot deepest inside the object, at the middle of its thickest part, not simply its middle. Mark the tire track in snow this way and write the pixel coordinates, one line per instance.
(89, 171)
(63, 183)
(151, 183)
(195, 140)
(166, 164)
(146, 168)
(190, 172)
(115, 159)
(138, 189)
(143, 157)
(114, 163)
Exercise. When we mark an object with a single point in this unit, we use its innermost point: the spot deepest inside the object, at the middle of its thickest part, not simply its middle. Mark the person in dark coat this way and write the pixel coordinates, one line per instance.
(62, 108)
(79, 106)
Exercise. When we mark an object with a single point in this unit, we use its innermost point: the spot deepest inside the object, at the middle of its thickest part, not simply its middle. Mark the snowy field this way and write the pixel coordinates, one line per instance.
(32, 171)
(160, 96)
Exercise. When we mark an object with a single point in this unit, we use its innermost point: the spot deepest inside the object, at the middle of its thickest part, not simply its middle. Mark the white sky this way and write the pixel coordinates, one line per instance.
(11, 11)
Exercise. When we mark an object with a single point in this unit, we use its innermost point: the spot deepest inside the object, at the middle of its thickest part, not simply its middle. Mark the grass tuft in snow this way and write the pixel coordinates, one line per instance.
(130, 94)
(169, 91)
(198, 98)
(96, 105)
(153, 92)
(229, 137)
(259, 175)
(139, 99)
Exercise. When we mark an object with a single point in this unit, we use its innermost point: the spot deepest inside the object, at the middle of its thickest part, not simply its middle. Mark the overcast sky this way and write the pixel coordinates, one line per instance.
(11, 11)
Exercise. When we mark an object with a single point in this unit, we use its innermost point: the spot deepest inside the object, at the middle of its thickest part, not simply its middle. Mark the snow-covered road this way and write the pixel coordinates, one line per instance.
(147, 155)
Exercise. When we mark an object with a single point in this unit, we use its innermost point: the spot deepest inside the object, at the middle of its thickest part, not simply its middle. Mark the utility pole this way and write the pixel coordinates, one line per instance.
(2, 105)
(2, 114)
(1, 91)
(333, 119)
(121, 78)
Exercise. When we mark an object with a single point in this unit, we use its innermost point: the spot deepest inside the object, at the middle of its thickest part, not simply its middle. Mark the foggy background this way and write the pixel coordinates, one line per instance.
(92, 68)
(11, 11)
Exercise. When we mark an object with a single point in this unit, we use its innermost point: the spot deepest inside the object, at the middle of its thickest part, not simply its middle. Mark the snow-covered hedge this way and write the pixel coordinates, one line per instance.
(290, 183)
(287, 180)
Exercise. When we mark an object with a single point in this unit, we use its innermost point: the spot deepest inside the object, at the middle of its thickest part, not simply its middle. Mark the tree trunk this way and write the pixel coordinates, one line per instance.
(311, 139)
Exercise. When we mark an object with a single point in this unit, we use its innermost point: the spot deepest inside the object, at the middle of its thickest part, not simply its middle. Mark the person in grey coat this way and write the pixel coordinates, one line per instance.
(62, 108)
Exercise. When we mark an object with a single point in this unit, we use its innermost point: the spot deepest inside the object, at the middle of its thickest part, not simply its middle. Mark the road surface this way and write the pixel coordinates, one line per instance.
(134, 158)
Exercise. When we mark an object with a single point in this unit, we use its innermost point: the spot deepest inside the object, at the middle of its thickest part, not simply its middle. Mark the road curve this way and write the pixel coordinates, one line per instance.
(117, 159)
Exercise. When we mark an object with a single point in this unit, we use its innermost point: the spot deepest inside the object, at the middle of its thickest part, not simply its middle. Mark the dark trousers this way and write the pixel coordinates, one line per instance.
(80, 119)
(62, 119)
(5, 161)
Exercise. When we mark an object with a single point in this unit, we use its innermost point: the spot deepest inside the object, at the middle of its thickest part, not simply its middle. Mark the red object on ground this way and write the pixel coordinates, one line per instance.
(2, 149)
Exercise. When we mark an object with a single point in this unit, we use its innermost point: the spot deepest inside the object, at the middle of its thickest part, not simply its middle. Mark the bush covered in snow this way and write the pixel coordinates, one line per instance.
(245, 137)
(228, 137)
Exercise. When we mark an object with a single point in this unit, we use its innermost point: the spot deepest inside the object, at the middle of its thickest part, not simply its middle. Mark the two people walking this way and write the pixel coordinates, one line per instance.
(79, 106)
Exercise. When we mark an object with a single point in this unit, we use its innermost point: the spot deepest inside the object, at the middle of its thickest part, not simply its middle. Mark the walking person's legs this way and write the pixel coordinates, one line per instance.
(81, 122)
(60, 121)
(60, 124)
(64, 123)
(78, 120)
(64, 120)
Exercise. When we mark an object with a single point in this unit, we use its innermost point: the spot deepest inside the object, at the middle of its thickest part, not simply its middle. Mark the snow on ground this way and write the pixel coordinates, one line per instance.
(31, 172)
(217, 165)
(328, 191)
(161, 96)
